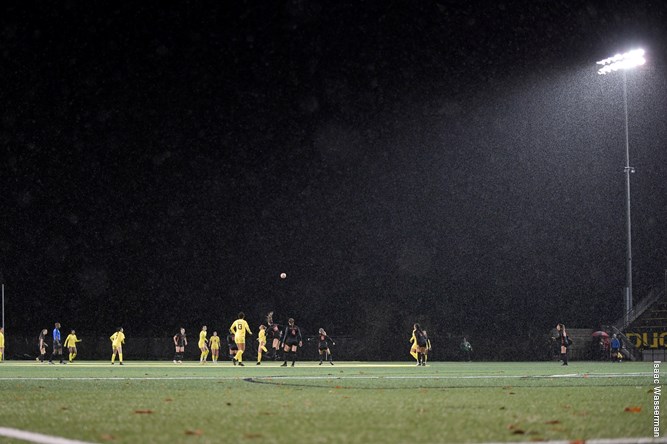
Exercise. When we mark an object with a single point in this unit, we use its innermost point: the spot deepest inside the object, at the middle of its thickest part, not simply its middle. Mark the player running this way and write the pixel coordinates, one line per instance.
(323, 346)
(414, 347)
(239, 328)
(261, 338)
(70, 344)
(202, 345)
(291, 340)
(233, 348)
(117, 341)
(180, 341)
(214, 343)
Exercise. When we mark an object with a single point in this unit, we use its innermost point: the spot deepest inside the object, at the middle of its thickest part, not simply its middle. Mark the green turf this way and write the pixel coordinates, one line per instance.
(349, 402)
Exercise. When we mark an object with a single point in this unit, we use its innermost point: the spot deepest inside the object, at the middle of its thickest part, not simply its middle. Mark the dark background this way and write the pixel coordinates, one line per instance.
(446, 163)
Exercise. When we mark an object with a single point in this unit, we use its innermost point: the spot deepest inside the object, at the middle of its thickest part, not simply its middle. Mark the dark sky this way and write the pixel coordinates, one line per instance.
(401, 161)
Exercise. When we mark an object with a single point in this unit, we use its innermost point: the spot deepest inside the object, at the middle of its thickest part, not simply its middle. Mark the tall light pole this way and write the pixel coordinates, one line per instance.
(624, 62)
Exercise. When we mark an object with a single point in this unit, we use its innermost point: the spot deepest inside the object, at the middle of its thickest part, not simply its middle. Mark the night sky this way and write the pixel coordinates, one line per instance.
(423, 161)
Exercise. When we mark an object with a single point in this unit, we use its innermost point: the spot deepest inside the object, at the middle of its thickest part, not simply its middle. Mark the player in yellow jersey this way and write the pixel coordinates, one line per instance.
(261, 338)
(70, 344)
(214, 343)
(239, 328)
(202, 345)
(413, 348)
(2, 344)
(117, 341)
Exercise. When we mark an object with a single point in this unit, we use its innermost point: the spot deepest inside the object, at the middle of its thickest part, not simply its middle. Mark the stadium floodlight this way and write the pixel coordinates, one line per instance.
(624, 62)
(628, 60)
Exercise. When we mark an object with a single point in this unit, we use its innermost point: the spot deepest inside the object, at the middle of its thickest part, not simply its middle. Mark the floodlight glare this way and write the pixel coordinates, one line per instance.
(622, 61)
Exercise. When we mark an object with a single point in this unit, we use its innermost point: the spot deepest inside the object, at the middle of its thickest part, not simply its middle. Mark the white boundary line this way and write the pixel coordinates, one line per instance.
(597, 441)
(37, 437)
(324, 377)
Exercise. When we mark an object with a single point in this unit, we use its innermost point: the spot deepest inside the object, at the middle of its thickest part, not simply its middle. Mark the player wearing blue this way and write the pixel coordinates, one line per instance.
(57, 344)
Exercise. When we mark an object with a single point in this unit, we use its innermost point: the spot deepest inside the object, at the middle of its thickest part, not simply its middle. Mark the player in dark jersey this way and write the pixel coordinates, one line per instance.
(274, 335)
(422, 343)
(180, 341)
(42, 345)
(291, 340)
(323, 341)
(233, 348)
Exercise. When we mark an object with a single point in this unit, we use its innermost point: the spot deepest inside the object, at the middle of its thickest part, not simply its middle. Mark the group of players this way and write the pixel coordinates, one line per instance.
(117, 341)
(286, 337)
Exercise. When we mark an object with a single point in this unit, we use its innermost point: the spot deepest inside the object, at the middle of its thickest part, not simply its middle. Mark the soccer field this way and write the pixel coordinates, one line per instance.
(350, 402)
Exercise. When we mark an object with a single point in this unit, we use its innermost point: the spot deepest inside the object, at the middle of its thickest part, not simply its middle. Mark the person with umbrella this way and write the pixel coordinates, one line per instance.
(603, 343)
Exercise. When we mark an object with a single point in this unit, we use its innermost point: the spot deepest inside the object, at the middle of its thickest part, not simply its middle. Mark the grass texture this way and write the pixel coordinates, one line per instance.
(350, 402)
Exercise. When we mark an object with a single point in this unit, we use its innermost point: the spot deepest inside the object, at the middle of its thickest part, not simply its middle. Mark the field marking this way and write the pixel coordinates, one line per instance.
(322, 377)
(597, 441)
(37, 437)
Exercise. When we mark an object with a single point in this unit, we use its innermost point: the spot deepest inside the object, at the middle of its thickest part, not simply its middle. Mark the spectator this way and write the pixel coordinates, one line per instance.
(615, 348)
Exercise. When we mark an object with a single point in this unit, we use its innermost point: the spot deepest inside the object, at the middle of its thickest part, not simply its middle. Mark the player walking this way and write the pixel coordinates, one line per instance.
(42, 345)
(117, 341)
(57, 344)
(70, 344)
(214, 343)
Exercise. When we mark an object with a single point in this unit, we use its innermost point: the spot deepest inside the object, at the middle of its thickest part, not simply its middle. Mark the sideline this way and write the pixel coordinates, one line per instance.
(37, 437)
(321, 377)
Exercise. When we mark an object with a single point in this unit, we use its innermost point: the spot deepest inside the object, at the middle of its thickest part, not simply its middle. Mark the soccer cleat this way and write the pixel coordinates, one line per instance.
(121, 363)
(320, 363)
(331, 362)
(259, 363)
(292, 364)
(284, 364)
(241, 364)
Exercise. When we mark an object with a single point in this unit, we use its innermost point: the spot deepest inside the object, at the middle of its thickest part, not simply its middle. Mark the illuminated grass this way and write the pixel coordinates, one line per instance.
(348, 402)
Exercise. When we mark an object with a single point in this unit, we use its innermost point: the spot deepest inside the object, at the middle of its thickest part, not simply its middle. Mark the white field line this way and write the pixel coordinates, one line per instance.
(37, 437)
(323, 377)
(598, 441)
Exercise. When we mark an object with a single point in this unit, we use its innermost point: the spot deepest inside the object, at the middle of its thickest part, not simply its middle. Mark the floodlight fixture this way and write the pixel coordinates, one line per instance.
(628, 60)
(624, 62)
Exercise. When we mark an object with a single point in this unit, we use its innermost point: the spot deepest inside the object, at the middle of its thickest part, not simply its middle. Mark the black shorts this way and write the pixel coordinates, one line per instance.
(292, 342)
(323, 347)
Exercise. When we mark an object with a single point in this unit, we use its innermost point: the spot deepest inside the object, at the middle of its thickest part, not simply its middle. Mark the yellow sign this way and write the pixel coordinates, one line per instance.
(648, 340)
